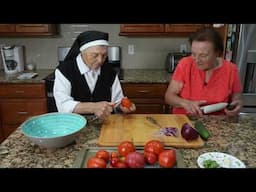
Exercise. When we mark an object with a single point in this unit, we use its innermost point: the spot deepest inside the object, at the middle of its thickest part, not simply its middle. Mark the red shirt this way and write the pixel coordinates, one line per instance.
(223, 83)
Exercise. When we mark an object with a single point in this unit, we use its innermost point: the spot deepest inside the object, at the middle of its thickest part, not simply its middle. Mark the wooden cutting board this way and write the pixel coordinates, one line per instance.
(136, 128)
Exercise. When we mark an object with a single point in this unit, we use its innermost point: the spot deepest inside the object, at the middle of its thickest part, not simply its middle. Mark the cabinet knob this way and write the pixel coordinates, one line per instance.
(144, 91)
(19, 92)
(22, 112)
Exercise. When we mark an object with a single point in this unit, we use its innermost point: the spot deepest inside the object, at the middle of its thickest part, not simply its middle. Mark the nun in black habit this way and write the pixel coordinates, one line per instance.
(85, 83)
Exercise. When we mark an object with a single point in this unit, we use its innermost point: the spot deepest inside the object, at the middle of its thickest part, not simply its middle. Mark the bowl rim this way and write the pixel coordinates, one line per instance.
(49, 114)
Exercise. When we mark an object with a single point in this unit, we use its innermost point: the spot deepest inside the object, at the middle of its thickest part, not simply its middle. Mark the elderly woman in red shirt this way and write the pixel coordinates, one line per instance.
(204, 78)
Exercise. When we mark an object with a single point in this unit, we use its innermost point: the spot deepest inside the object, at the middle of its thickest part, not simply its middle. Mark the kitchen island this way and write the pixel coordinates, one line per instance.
(235, 136)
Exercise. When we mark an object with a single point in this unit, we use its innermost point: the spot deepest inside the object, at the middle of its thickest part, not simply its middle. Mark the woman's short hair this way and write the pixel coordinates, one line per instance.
(211, 35)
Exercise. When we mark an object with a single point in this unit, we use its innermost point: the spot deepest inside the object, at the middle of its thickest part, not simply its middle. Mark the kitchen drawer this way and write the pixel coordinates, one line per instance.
(148, 97)
(16, 111)
(22, 90)
(1, 134)
(144, 90)
(153, 108)
(8, 129)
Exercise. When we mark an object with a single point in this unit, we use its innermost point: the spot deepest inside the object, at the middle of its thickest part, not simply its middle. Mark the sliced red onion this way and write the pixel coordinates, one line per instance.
(169, 131)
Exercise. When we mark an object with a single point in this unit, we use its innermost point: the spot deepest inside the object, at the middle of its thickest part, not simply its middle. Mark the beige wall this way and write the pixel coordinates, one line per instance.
(149, 53)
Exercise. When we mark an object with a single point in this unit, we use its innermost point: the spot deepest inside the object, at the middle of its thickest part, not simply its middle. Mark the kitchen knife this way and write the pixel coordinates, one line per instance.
(114, 105)
(213, 107)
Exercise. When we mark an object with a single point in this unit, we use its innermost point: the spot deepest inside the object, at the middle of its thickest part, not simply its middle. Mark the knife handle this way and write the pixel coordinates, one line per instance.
(230, 107)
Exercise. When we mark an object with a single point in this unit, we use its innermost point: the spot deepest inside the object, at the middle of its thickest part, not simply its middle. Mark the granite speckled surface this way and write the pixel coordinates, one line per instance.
(234, 136)
(12, 78)
(145, 76)
(130, 76)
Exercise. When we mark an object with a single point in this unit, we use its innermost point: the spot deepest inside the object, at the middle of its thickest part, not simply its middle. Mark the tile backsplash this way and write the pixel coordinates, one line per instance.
(149, 52)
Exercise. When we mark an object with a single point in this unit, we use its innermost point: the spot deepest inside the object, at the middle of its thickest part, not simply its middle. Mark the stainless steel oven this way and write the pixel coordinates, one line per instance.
(49, 80)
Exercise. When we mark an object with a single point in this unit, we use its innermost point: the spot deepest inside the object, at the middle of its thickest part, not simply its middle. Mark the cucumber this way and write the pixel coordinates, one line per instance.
(203, 132)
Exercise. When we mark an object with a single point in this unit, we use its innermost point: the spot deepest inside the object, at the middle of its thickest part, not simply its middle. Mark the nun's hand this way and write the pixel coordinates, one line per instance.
(103, 109)
(131, 109)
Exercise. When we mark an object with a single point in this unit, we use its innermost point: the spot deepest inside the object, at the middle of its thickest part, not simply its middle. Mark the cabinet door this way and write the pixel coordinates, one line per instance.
(29, 30)
(22, 90)
(183, 28)
(149, 106)
(141, 29)
(7, 28)
(35, 28)
(8, 129)
(1, 134)
(15, 111)
(148, 98)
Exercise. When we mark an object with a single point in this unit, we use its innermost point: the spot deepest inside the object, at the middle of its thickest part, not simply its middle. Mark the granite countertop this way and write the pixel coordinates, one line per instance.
(12, 78)
(145, 76)
(235, 136)
(130, 76)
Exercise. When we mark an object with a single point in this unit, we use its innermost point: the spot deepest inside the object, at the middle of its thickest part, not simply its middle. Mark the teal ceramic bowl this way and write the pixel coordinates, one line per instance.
(53, 130)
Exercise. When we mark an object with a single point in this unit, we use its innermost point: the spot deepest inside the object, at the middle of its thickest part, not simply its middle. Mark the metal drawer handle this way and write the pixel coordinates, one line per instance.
(144, 91)
(19, 92)
(22, 112)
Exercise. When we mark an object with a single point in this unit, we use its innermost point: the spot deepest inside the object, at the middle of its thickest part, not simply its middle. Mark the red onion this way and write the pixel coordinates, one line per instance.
(169, 131)
(135, 160)
(188, 132)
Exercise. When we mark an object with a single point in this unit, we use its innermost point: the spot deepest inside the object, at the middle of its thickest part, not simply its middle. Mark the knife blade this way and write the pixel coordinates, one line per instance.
(214, 107)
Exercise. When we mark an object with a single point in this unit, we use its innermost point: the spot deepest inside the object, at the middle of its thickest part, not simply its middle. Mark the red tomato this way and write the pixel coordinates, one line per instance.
(125, 102)
(126, 147)
(167, 158)
(96, 162)
(154, 146)
(114, 154)
(150, 158)
(120, 164)
(102, 154)
(114, 161)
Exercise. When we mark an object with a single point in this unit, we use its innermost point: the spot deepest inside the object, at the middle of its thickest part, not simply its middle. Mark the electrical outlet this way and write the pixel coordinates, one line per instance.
(130, 49)
(183, 48)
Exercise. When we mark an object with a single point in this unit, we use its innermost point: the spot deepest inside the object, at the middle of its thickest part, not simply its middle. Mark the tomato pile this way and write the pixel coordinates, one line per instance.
(127, 156)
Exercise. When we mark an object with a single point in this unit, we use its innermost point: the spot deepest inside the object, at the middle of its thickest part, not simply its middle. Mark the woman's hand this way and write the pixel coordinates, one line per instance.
(193, 107)
(236, 107)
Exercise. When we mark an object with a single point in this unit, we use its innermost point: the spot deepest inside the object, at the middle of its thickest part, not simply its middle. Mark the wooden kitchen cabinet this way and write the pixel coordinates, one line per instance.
(1, 135)
(126, 29)
(18, 102)
(158, 29)
(148, 97)
(182, 29)
(175, 30)
(29, 30)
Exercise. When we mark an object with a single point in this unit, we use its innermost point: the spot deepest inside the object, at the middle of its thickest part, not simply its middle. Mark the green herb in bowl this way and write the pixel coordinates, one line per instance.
(209, 163)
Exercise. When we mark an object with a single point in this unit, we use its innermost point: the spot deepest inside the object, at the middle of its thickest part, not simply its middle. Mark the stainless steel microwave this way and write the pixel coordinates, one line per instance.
(172, 60)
